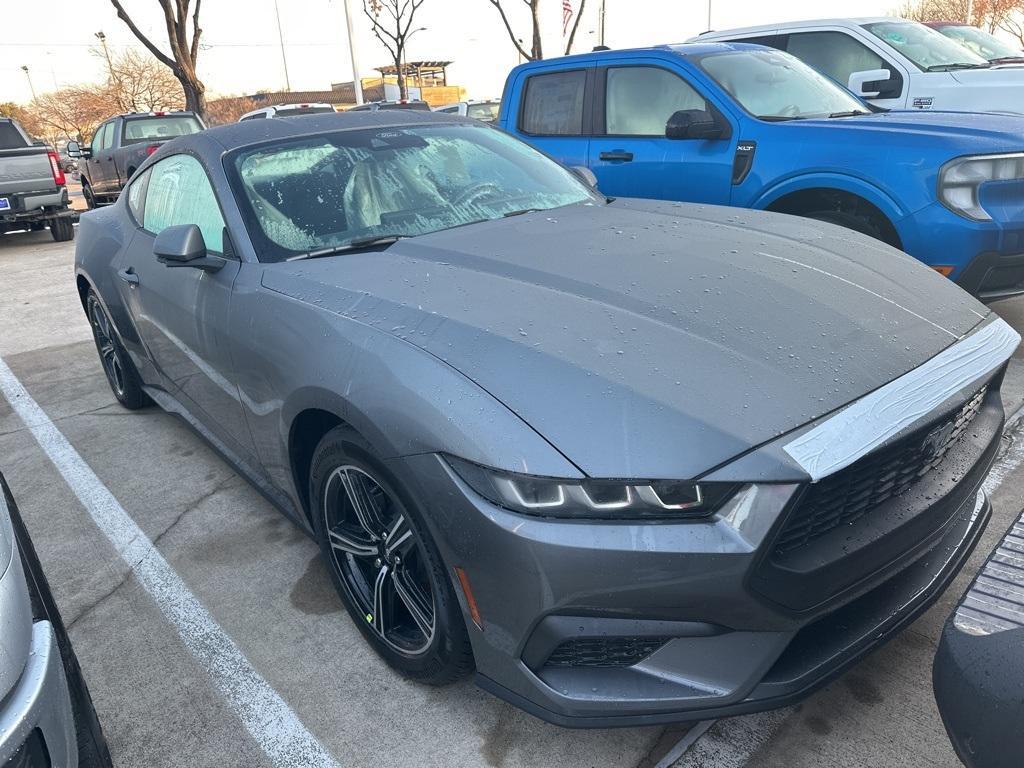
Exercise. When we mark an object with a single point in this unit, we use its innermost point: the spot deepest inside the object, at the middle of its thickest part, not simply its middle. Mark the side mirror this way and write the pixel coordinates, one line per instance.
(870, 83)
(585, 175)
(74, 149)
(693, 124)
(183, 246)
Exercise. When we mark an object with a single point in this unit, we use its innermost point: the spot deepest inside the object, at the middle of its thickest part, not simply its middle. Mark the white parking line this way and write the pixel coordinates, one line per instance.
(731, 743)
(265, 715)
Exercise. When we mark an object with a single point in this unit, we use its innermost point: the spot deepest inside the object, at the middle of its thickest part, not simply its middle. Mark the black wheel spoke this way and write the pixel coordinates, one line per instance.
(344, 541)
(382, 602)
(399, 538)
(355, 489)
(421, 610)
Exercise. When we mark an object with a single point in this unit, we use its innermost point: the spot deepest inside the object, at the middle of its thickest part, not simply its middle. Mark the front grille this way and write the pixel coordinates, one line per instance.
(848, 495)
(604, 651)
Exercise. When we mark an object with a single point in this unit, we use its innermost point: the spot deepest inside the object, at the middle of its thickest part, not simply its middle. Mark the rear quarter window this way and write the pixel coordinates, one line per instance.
(10, 136)
(553, 104)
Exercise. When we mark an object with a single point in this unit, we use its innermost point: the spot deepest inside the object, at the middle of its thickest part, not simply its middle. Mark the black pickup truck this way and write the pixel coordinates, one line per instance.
(33, 194)
(120, 145)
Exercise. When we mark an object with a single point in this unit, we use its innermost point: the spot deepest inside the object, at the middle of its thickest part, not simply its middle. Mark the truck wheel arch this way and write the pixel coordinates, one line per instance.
(813, 201)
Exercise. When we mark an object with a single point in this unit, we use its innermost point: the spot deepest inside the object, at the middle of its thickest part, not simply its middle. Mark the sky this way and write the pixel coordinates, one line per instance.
(241, 53)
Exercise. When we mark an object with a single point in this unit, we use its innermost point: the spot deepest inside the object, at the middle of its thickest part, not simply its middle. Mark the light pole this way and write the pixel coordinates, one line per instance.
(24, 68)
(280, 39)
(405, 56)
(106, 52)
(356, 80)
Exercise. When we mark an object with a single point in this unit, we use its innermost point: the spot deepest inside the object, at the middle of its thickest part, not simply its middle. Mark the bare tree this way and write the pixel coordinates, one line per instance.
(1014, 24)
(536, 46)
(392, 22)
(139, 83)
(988, 14)
(184, 52)
(227, 109)
(74, 111)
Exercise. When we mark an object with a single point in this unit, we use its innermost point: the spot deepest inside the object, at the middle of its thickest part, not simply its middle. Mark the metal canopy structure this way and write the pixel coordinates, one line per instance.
(422, 73)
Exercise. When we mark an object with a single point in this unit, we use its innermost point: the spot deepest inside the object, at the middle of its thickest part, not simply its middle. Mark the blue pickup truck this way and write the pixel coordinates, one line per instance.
(749, 126)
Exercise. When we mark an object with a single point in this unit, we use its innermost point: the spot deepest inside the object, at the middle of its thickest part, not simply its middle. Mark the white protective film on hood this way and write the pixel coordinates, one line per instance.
(870, 421)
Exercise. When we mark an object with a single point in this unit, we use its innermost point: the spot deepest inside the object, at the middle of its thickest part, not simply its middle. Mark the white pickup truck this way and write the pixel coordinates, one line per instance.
(892, 63)
(33, 194)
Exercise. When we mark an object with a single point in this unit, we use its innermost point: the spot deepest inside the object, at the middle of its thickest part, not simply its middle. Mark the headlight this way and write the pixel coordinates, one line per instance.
(961, 179)
(594, 499)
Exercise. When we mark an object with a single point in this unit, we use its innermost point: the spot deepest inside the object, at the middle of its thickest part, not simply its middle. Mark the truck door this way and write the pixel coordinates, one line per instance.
(552, 114)
(100, 160)
(630, 154)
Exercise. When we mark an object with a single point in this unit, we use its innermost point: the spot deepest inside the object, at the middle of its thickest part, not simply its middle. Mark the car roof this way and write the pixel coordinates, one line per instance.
(695, 48)
(769, 28)
(215, 141)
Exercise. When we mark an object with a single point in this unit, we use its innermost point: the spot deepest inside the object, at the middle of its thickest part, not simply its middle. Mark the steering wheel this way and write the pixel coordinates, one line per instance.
(472, 194)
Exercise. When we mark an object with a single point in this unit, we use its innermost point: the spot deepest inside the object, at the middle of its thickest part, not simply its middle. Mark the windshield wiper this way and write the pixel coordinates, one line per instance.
(520, 212)
(354, 245)
(780, 118)
(851, 113)
(956, 65)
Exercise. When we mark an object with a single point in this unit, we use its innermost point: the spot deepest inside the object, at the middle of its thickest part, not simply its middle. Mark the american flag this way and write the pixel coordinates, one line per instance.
(566, 16)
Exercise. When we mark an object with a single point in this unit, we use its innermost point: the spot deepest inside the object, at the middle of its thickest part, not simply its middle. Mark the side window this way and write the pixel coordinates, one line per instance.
(108, 135)
(834, 54)
(553, 104)
(640, 100)
(97, 139)
(137, 197)
(179, 192)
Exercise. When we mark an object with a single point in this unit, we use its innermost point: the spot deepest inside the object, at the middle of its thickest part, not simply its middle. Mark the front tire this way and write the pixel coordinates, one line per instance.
(124, 380)
(90, 198)
(384, 564)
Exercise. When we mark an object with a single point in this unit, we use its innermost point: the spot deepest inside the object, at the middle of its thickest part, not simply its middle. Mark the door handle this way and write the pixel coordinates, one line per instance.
(129, 276)
(617, 155)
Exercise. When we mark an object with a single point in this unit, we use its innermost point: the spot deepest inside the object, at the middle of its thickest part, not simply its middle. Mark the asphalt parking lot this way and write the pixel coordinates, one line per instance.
(261, 580)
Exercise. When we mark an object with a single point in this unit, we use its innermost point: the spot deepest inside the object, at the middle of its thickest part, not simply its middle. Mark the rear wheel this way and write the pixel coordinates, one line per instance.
(124, 380)
(62, 230)
(384, 564)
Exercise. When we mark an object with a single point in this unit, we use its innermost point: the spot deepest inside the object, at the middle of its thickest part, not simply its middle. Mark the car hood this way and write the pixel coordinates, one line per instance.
(961, 132)
(648, 339)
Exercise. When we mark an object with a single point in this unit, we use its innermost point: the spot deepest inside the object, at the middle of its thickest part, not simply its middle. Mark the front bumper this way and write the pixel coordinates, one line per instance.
(683, 628)
(39, 708)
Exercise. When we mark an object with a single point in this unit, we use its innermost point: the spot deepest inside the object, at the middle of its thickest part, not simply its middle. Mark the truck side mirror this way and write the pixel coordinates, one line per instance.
(74, 149)
(693, 124)
(871, 83)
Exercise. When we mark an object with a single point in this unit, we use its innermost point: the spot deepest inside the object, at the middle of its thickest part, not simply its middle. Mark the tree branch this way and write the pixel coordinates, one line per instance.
(196, 32)
(508, 28)
(163, 57)
(575, 25)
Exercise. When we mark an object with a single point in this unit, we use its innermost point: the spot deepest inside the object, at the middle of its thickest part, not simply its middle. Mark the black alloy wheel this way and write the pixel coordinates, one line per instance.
(384, 565)
(121, 374)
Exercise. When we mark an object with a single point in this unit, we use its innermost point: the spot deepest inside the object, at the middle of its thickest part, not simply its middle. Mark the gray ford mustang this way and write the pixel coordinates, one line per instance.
(632, 461)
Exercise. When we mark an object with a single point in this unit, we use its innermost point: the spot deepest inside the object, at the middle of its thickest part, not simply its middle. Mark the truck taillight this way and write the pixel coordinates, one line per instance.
(151, 149)
(55, 169)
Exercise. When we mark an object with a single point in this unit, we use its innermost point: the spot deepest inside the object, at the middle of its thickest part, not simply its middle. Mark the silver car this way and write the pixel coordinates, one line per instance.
(46, 715)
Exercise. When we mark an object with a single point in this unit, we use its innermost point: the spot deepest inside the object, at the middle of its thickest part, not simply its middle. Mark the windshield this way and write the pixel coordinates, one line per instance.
(773, 85)
(487, 112)
(925, 47)
(986, 45)
(337, 188)
(150, 128)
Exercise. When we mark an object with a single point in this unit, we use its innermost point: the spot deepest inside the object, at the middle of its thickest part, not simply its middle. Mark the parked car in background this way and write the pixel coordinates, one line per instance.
(33, 192)
(999, 53)
(486, 111)
(376, 106)
(978, 673)
(46, 713)
(893, 63)
(749, 126)
(614, 529)
(287, 110)
(120, 145)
